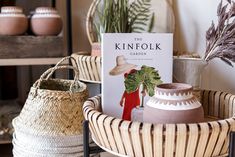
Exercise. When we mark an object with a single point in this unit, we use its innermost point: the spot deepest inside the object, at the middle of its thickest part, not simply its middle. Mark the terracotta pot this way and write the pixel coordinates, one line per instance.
(12, 21)
(46, 21)
(173, 103)
(95, 49)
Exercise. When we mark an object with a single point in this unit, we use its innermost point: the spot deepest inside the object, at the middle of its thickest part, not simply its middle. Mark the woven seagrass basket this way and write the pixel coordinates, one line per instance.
(53, 106)
(135, 139)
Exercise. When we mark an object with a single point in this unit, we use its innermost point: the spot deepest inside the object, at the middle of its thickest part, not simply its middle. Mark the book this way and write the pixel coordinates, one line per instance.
(126, 58)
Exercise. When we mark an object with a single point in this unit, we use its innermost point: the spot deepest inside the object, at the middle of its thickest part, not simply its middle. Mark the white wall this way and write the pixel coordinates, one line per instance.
(193, 18)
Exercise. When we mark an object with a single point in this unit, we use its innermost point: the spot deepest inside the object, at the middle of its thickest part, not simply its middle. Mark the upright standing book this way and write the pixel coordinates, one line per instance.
(127, 60)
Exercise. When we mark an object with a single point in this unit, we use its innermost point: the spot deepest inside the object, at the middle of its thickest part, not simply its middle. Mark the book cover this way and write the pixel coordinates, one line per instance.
(131, 64)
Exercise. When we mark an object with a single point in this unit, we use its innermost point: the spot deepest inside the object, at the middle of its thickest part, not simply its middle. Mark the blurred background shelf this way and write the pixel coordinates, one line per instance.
(29, 61)
(5, 139)
(31, 46)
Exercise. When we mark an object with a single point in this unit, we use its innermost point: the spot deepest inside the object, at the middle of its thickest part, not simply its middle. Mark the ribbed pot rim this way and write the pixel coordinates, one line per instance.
(174, 88)
(11, 9)
(43, 10)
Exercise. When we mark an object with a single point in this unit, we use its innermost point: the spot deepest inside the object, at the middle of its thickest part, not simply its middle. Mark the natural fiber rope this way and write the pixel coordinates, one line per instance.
(61, 61)
(51, 70)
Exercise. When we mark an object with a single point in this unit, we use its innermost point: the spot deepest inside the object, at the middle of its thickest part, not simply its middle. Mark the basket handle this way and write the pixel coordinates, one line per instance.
(60, 62)
(47, 74)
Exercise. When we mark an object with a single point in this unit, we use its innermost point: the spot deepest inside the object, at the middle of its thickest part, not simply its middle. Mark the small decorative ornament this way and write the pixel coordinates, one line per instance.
(12, 21)
(173, 103)
(46, 21)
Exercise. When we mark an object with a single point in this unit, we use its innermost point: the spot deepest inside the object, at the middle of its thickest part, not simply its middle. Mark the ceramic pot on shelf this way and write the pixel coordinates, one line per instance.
(12, 21)
(46, 22)
(95, 49)
(173, 103)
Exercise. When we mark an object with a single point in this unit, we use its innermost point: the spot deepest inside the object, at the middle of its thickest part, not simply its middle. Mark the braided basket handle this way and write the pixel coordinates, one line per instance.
(60, 62)
(47, 74)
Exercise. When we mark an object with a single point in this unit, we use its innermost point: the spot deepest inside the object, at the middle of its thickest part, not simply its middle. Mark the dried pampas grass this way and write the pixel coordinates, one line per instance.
(221, 38)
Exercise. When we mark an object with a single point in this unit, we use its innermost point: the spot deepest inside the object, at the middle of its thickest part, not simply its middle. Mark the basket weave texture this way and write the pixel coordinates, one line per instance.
(135, 139)
(51, 108)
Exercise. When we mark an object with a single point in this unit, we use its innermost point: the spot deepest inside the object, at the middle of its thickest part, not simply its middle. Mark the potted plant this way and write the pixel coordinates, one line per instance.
(188, 68)
(119, 16)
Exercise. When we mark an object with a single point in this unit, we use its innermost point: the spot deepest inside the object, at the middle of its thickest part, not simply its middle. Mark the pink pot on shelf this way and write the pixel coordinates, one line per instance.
(173, 103)
(95, 49)
(12, 21)
(46, 22)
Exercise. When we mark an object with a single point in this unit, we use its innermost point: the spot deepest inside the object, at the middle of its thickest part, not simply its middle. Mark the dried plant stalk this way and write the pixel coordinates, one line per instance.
(221, 39)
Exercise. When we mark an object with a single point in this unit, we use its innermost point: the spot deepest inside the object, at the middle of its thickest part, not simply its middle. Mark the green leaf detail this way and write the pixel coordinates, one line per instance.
(147, 76)
(120, 16)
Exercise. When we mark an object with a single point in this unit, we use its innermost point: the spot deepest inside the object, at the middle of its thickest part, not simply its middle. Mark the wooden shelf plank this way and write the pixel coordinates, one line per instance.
(31, 46)
(29, 61)
(5, 139)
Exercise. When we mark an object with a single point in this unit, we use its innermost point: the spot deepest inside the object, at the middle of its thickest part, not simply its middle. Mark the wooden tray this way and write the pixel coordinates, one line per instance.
(127, 138)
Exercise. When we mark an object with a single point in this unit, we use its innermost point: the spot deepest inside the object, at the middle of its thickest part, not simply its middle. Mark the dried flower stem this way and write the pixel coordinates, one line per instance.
(221, 39)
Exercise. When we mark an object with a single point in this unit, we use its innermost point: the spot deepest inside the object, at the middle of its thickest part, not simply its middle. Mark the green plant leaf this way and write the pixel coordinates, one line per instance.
(147, 76)
(151, 25)
(120, 16)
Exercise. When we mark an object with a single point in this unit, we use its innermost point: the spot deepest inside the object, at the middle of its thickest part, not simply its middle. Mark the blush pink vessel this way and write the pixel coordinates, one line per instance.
(173, 103)
(46, 22)
(12, 21)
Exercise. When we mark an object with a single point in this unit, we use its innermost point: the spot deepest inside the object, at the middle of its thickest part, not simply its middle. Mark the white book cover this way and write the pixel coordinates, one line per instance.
(126, 57)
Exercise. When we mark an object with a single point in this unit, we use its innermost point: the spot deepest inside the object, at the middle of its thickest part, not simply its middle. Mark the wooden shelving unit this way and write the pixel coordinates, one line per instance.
(28, 50)
(28, 46)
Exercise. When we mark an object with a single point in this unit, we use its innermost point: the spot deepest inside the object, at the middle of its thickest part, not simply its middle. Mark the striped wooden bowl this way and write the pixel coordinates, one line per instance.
(135, 139)
(89, 68)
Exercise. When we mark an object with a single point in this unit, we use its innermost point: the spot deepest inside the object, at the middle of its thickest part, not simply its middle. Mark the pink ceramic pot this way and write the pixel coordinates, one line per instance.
(12, 21)
(46, 21)
(173, 103)
(95, 49)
